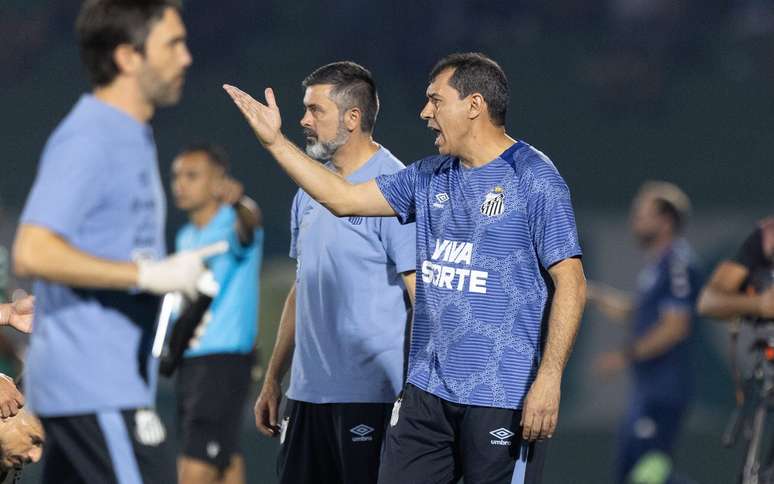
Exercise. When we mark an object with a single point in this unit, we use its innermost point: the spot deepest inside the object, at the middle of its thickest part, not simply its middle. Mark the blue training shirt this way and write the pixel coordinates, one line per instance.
(231, 324)
(485, 237)
(350, 310)
(671, 282)
(98, 187)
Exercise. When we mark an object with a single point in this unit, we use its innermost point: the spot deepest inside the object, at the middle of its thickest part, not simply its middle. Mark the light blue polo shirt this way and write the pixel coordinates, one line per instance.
(231, 324)
(98, 187)
(350, 309)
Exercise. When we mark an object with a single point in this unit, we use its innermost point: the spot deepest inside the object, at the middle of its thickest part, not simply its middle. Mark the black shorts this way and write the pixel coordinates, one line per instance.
(211, 395)
(431, 440)
(107, 447)
(331, 443)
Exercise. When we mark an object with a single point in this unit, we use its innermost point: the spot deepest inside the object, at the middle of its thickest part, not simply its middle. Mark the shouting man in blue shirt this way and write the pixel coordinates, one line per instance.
(215, 372)
(92, 234)
(502, 287)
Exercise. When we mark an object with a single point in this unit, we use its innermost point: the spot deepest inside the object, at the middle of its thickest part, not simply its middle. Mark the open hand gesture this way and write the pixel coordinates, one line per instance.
(265, 119)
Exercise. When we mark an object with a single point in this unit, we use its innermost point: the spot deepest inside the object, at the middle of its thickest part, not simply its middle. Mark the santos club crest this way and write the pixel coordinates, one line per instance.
(494, 203)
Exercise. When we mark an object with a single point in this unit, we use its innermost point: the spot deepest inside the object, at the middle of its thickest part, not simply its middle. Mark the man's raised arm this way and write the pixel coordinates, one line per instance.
(331, 190)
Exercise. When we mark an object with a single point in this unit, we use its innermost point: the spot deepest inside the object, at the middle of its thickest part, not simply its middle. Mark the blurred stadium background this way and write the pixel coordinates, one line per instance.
(615, 91)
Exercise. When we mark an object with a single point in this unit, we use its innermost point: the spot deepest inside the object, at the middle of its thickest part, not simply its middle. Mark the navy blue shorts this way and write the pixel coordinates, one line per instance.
(430, 440)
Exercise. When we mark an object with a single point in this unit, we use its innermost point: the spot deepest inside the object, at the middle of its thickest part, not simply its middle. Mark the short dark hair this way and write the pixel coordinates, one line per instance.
(670, 201)
(103, 25)
(353, 86)
(216, 153)
(475, 72)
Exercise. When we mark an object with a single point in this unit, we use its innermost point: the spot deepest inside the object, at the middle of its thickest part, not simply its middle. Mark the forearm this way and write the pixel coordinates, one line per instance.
(659, 340)
(40, 254)
(563, 324)
(322, 184)
(726, 305)
(248, 219)
(615, 304)
(282, 355)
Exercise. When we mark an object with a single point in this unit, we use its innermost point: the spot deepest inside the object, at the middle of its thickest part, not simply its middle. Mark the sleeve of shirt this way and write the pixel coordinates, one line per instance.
(553, 220)
(67, 188)
(294, 224)
(399, 190)
(750, 254)
(399, 242)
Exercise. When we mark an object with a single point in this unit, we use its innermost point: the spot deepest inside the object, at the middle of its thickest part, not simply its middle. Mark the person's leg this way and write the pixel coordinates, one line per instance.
(213, 390)
(492, 449)
(143, 444)
(235, 472)
(89, 449)
(306, 456)
(359, 431)
(419, 444)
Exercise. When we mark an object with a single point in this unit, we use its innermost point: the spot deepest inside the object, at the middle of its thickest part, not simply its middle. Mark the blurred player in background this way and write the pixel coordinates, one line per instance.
(92, 236)
(502, 290)
(662, 315)
(344, 319)
(214, 375)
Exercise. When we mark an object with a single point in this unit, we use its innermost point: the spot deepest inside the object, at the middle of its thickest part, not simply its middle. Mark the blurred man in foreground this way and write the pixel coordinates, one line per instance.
(92, 237)
(214, 374)
(662, 315)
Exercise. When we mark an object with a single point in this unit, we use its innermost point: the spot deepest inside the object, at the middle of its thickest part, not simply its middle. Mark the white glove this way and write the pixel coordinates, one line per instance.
(178, 272)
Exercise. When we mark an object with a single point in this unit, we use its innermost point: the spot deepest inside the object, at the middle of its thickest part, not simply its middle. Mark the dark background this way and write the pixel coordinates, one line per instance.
(615, 92)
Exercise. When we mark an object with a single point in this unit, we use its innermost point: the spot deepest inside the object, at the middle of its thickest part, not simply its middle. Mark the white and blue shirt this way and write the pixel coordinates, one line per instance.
(231, 324)
(485, 238)
(97, 187)
(351, 311)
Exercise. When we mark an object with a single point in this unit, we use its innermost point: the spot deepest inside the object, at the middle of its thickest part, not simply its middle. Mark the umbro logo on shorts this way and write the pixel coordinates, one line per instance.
(356, 220)
(503, 436)
(363, 433)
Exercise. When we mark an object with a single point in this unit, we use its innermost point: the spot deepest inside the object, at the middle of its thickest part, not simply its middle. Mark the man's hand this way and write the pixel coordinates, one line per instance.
(230, 191)
(265, 119)
(267, 408)
(609, 364)
(21, 441)
(11, 400)
(18, 314)
(178, 272)
(541, 408)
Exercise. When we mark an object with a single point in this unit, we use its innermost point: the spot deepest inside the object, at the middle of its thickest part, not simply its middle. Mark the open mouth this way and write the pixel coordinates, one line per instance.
(438, 135)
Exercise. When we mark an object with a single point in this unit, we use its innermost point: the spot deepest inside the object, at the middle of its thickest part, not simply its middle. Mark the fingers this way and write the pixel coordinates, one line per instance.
(271, 101)
(211, 250)
(537, 425)
(263, 417)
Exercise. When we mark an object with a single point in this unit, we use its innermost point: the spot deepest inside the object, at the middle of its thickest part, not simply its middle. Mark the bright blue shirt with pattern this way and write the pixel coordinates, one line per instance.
(485, 238)
(231, 324)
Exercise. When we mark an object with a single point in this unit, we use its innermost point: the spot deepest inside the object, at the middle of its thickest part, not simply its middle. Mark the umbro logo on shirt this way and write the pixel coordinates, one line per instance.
(363, 433)
(494, 204)
(503, 436)
(441, 198)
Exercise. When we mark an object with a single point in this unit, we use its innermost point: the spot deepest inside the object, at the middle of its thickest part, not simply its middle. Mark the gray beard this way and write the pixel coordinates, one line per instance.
(324, 150)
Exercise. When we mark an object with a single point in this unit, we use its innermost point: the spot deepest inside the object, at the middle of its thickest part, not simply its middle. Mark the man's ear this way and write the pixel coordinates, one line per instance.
(352, 119)
(127, 59)
(477, 105)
